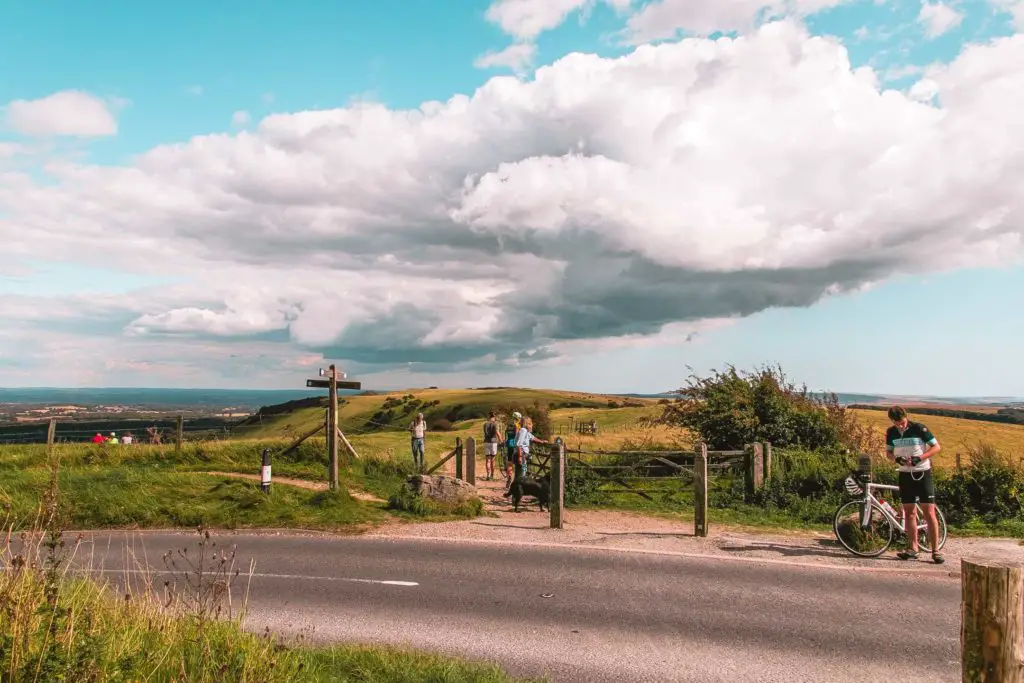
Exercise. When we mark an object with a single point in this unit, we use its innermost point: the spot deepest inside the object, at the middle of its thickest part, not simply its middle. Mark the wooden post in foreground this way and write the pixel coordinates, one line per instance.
(700, 490)
(767, 461)
(992, 622)
(755, 468)
(179, 434)
(471, 461)
(556, 501)
(458, 457)
(51, 436)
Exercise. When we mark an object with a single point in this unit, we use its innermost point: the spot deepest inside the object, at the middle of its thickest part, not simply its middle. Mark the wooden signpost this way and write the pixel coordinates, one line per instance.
(333, 431)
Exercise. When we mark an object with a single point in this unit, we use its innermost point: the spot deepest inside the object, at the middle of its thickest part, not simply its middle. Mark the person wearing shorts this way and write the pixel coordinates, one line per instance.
(511, 435)
(490, 445)
(912, 445)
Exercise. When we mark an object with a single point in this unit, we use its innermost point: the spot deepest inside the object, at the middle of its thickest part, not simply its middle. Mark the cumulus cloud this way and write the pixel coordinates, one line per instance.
(66, 113)
(938, 18)
(604, 200)
(526, 19)
(517, 57)
(667, 18)
(1016, 10)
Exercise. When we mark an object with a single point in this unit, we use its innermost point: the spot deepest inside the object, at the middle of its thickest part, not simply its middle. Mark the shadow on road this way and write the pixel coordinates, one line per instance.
(827, 549)
(512, 526)
(651, 534)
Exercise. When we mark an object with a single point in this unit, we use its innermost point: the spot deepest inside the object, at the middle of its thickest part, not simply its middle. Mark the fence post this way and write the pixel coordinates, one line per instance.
(755, 468)
(458, 457)
(471, 461)
(700, 490)
(992, 622)
(179, 434)
(959, 466)
(265, 471)
(51, 436)
(556, 503)
(767, 461)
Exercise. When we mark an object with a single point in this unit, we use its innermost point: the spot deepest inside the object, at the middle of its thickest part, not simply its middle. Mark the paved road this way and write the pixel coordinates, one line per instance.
(592, 615)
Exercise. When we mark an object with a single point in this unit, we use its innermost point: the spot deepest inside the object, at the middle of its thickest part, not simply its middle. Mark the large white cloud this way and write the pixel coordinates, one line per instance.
(526, 19)
(606, 198)
(66, 113)
(661, 19)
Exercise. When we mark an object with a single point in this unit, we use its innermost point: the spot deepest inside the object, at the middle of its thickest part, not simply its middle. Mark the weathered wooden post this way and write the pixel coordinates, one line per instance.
(265, 471)
(471, 461)
(992, 621)
(179, 434)
(458, 457)
(767, 461)
(556, 502)
(754, 471)
(700, 490)
(959, 465)
(51, 436)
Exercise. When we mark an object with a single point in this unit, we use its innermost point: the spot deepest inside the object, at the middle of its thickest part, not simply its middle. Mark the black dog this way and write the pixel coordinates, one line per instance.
(538, 488)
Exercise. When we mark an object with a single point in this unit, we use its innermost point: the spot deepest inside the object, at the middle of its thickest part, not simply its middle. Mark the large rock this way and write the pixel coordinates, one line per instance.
(440, 488)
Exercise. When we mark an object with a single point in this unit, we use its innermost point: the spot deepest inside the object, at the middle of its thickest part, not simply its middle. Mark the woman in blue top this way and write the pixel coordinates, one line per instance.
(523, 441)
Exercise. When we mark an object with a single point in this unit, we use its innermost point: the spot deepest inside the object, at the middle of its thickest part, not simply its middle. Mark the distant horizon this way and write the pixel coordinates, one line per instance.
(311, 391)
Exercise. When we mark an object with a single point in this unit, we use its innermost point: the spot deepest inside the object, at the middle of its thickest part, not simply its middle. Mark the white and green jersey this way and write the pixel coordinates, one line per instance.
(915, 440)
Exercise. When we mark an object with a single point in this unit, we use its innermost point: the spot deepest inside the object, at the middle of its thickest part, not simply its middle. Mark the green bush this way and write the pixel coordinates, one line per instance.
(989, 489)
(729, 410)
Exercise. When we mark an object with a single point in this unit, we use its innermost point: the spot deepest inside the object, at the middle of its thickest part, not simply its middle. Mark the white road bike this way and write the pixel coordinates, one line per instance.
(868, 526)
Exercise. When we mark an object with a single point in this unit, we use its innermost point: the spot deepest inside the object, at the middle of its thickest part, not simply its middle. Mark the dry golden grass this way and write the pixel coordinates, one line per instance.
(617, 427)
(956, 435)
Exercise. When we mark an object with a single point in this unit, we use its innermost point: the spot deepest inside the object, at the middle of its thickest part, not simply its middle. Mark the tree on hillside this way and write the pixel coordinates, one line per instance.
(730, 409)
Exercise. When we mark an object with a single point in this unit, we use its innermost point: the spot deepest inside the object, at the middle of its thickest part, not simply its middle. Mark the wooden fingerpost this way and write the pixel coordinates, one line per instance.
(767, 461)
(332, 428)
(179, 434)
(458, 457)
(51, 437)
(700, 490)
(755, 468)
(556, 501)
(992, 621)
(471, 461)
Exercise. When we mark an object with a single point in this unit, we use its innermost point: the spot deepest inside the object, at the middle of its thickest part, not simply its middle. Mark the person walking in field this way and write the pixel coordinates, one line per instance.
(490, 445)
(912, 445)
(418, 429)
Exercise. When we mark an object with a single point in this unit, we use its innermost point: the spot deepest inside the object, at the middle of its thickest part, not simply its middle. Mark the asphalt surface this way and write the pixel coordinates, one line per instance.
(586, 614)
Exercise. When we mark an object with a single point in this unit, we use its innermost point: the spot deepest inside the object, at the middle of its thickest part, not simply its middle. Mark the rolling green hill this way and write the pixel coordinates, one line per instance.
(443, 409)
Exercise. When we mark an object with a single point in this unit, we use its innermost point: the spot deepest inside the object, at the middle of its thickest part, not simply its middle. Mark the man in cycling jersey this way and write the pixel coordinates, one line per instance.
(911, 445)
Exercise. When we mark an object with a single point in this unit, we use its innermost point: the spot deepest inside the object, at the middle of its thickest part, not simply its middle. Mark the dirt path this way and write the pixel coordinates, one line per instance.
(300, 483)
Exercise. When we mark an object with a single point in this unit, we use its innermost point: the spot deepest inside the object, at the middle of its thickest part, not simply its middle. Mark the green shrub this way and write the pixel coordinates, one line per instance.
(729, 410)
(988, 489)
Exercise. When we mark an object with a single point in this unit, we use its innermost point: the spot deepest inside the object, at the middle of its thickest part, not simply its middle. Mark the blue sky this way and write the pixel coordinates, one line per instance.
(169, 74)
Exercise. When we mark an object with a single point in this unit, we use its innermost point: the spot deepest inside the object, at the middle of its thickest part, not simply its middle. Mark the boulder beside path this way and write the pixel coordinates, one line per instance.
(441, 488)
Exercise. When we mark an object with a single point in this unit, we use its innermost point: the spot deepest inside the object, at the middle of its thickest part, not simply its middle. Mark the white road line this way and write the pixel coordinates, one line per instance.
(259, 575)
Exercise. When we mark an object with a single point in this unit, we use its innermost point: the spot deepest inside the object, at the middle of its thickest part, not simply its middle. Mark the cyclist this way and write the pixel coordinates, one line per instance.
(912, 445)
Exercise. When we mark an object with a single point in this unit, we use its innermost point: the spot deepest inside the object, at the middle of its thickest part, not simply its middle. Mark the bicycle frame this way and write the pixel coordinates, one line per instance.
(869, 500)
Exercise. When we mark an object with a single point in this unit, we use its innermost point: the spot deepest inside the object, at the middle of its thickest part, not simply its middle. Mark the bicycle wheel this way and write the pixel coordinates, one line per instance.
(922, 529)
(865, 542)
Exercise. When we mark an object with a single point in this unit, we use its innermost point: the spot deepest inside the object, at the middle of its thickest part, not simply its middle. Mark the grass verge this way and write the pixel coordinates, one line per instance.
(58, 626)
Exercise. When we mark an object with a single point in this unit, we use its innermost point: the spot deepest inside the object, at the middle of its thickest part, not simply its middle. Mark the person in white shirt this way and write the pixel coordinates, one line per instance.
(418, 429)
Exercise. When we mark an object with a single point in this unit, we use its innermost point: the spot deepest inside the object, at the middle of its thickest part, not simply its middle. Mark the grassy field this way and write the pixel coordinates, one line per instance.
(63, 627)
(154, 487)
(957, 435)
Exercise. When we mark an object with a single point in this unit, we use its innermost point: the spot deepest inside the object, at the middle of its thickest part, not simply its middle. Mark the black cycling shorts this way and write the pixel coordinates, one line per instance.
(917, 487)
